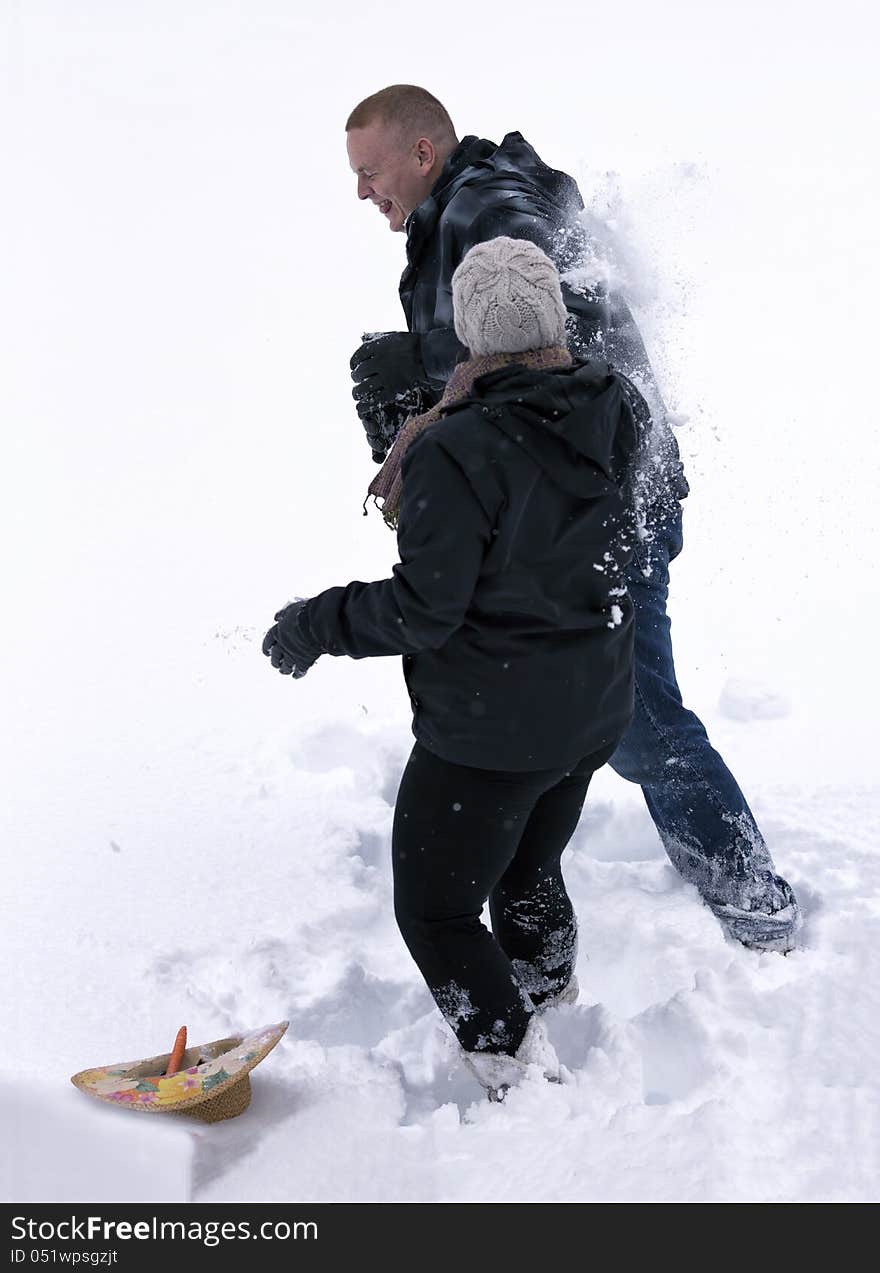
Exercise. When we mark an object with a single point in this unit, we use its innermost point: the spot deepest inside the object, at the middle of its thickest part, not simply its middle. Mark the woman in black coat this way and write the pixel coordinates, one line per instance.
(514, 525)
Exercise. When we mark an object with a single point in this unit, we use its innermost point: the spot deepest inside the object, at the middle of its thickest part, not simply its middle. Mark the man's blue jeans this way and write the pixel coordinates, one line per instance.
(702, 817)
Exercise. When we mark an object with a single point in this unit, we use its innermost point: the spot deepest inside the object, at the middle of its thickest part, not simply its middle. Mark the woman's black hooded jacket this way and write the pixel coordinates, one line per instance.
(509, 601)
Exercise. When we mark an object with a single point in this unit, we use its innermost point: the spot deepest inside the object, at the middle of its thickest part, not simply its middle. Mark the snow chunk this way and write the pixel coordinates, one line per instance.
(743, 699)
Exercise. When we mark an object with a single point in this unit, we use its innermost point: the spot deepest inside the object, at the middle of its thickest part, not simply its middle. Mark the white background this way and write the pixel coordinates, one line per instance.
(188, 837)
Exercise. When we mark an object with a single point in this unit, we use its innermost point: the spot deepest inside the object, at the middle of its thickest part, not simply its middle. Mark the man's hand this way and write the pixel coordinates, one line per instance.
(290, 644)
(390, 383)
(381, 425)
(387, 365)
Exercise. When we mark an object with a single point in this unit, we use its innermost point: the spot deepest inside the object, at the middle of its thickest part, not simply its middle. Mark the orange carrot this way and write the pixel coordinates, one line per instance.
(177, 1052)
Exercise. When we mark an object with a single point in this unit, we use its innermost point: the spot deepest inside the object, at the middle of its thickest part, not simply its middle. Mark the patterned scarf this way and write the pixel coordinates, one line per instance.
(387, 485)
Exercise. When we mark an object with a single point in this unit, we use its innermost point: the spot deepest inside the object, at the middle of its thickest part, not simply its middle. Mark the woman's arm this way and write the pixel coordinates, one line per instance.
(443, 535)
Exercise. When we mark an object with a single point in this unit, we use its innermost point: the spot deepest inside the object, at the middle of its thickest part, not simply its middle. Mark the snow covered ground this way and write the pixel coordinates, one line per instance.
(188, 837)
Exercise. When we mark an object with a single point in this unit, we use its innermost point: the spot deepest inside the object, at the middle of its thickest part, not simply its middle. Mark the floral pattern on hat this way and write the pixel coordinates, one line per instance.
(128, 1084)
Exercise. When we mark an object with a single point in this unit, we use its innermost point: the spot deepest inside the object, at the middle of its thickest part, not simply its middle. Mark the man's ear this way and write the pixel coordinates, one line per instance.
(425, 152)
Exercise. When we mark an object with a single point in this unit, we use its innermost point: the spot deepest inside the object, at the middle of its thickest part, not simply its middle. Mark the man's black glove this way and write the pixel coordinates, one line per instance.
(290, 643)
(382, 425)
(390, 384)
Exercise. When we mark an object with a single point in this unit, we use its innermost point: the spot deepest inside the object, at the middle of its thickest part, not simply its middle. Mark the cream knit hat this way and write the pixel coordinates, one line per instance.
(506, 298)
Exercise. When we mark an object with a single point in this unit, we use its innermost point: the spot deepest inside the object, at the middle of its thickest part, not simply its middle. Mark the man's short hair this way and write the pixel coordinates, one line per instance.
(413, 111)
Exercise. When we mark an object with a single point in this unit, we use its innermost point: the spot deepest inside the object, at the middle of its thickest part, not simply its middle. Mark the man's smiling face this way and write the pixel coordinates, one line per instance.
(392, 174)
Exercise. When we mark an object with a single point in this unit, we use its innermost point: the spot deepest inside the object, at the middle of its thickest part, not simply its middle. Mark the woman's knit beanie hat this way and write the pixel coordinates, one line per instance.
(507, 298)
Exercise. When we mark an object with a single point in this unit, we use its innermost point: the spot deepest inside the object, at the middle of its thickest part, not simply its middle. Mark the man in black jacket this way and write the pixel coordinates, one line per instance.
(447, 195)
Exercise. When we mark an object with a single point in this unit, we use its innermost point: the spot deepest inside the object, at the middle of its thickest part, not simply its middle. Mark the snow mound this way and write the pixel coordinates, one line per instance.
(742, 699)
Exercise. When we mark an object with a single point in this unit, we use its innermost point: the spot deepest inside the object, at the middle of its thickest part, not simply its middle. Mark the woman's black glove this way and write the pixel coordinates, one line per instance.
(390, 384)
(290, 643)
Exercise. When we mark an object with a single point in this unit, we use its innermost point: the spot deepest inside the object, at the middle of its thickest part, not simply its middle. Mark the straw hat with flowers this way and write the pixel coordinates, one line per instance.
(209, 1082)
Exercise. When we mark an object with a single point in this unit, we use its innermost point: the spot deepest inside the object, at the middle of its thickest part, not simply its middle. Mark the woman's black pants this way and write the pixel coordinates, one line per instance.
(463, 836)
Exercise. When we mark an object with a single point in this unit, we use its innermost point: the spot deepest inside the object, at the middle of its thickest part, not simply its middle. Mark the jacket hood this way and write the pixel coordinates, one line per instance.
(516, 162)
(574, 422)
